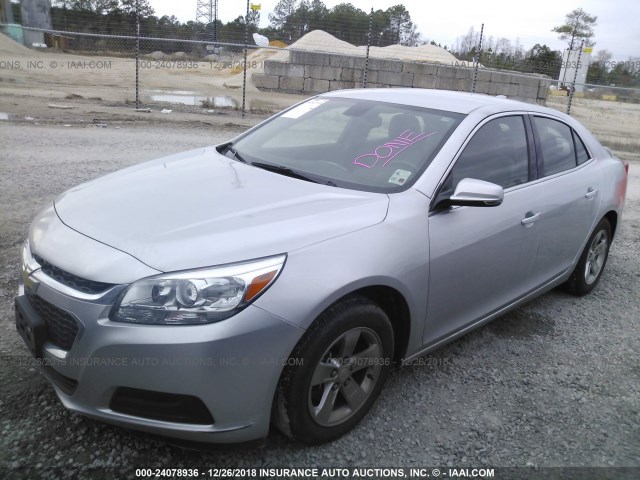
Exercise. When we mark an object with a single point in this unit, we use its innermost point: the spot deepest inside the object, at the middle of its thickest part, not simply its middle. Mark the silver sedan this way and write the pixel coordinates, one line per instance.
(277, 278)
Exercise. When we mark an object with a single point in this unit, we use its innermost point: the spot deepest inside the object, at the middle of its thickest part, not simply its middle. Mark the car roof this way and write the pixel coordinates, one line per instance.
(458, 102)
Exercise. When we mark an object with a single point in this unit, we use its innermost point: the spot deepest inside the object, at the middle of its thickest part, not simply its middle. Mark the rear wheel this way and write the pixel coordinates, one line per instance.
(343, 361)
(592, 261)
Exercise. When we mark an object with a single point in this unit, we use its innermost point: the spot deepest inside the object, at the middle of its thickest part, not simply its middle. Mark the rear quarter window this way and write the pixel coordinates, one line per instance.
(582, 155)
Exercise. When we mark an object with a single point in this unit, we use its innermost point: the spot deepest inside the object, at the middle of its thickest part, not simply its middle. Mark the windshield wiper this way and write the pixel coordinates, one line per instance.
(229, 148)
(282, 170)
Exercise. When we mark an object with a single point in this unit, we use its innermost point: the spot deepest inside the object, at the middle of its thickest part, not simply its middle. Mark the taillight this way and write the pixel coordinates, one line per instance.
(626, 167)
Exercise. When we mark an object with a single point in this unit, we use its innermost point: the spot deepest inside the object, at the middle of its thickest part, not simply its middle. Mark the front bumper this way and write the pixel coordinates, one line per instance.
(232, 366)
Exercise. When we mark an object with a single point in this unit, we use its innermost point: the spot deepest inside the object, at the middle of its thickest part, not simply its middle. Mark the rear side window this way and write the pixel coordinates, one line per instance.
(497, 153)
(581, 151)
(556, 142)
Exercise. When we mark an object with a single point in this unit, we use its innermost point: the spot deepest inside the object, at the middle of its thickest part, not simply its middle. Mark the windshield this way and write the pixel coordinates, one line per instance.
(349, 143)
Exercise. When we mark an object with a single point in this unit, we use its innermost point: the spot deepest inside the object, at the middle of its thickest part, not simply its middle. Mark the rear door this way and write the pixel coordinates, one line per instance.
(567, 196)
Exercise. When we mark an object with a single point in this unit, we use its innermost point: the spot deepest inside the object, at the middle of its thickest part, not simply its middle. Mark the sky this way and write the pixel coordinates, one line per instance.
(617, 30)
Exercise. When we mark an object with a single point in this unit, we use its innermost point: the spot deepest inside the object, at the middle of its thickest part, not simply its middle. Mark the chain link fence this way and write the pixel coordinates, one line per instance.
(196, 58)
(129, 62)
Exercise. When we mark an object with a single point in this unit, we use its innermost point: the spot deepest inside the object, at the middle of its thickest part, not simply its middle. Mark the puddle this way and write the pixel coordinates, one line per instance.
(221, 101)
(4, 116)
(192, 99)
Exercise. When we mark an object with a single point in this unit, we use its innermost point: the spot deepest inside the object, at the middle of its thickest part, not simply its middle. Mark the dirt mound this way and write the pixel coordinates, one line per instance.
(423, 53)
(10, 47)
(321, 41)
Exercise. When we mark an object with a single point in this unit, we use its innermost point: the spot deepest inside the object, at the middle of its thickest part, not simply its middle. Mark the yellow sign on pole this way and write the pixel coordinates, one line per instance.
(256, 6)
(588, 49)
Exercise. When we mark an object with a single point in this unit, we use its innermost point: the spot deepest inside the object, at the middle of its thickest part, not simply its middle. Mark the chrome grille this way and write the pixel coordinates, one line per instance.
(72, 281)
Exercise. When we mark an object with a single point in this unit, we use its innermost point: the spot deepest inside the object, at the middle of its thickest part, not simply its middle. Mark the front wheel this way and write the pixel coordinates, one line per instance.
(341, 364)
(592, 261)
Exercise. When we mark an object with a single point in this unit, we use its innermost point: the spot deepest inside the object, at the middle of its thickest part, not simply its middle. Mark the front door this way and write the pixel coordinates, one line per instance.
(481, 257)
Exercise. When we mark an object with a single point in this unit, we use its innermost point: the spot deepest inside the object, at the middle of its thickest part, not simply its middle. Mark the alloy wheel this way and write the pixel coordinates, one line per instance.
(596, 257)
(345, 377)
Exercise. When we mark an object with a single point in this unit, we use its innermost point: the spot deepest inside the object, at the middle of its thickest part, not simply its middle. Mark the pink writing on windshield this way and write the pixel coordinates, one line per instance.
(390, 150)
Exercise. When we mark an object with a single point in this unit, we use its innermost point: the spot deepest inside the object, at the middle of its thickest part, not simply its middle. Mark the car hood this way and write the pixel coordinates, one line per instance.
(200, 208)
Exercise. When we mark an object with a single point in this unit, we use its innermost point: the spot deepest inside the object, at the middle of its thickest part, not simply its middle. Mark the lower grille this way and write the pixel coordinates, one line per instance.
(66, 384)
(170, 407)
(62, 328)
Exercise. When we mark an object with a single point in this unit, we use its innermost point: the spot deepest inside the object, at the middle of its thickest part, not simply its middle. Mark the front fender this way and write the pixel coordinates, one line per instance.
(394, 253)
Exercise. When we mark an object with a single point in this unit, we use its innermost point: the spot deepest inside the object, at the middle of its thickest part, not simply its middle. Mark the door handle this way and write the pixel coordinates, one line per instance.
(530, 218)
(591, 192)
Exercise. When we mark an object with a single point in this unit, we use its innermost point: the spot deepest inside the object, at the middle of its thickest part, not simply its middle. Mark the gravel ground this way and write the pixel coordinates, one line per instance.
(554, 383)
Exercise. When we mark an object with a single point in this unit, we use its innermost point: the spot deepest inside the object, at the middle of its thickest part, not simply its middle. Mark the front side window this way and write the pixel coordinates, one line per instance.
(358, 144)
(497, 153)
(557, 147)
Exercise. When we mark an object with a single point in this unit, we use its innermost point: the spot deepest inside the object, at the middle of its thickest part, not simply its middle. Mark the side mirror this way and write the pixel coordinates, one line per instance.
(477, 193)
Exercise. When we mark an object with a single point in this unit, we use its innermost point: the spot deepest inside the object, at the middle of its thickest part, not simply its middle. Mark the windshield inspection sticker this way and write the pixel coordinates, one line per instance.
(400, 177)
(306, 107)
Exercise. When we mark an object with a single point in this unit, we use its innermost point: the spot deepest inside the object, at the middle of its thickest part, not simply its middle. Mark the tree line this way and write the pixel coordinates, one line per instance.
(290, 20)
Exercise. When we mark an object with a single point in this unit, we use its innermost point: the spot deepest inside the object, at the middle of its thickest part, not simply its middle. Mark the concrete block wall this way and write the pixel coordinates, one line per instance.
(313, 72)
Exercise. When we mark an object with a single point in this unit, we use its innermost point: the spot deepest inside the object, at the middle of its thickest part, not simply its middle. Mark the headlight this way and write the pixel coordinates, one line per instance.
(196, 296)
(28, 262)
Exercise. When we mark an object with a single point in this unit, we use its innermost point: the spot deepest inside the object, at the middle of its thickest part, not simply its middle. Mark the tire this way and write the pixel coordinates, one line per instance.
(592, 261)
(345, 358)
